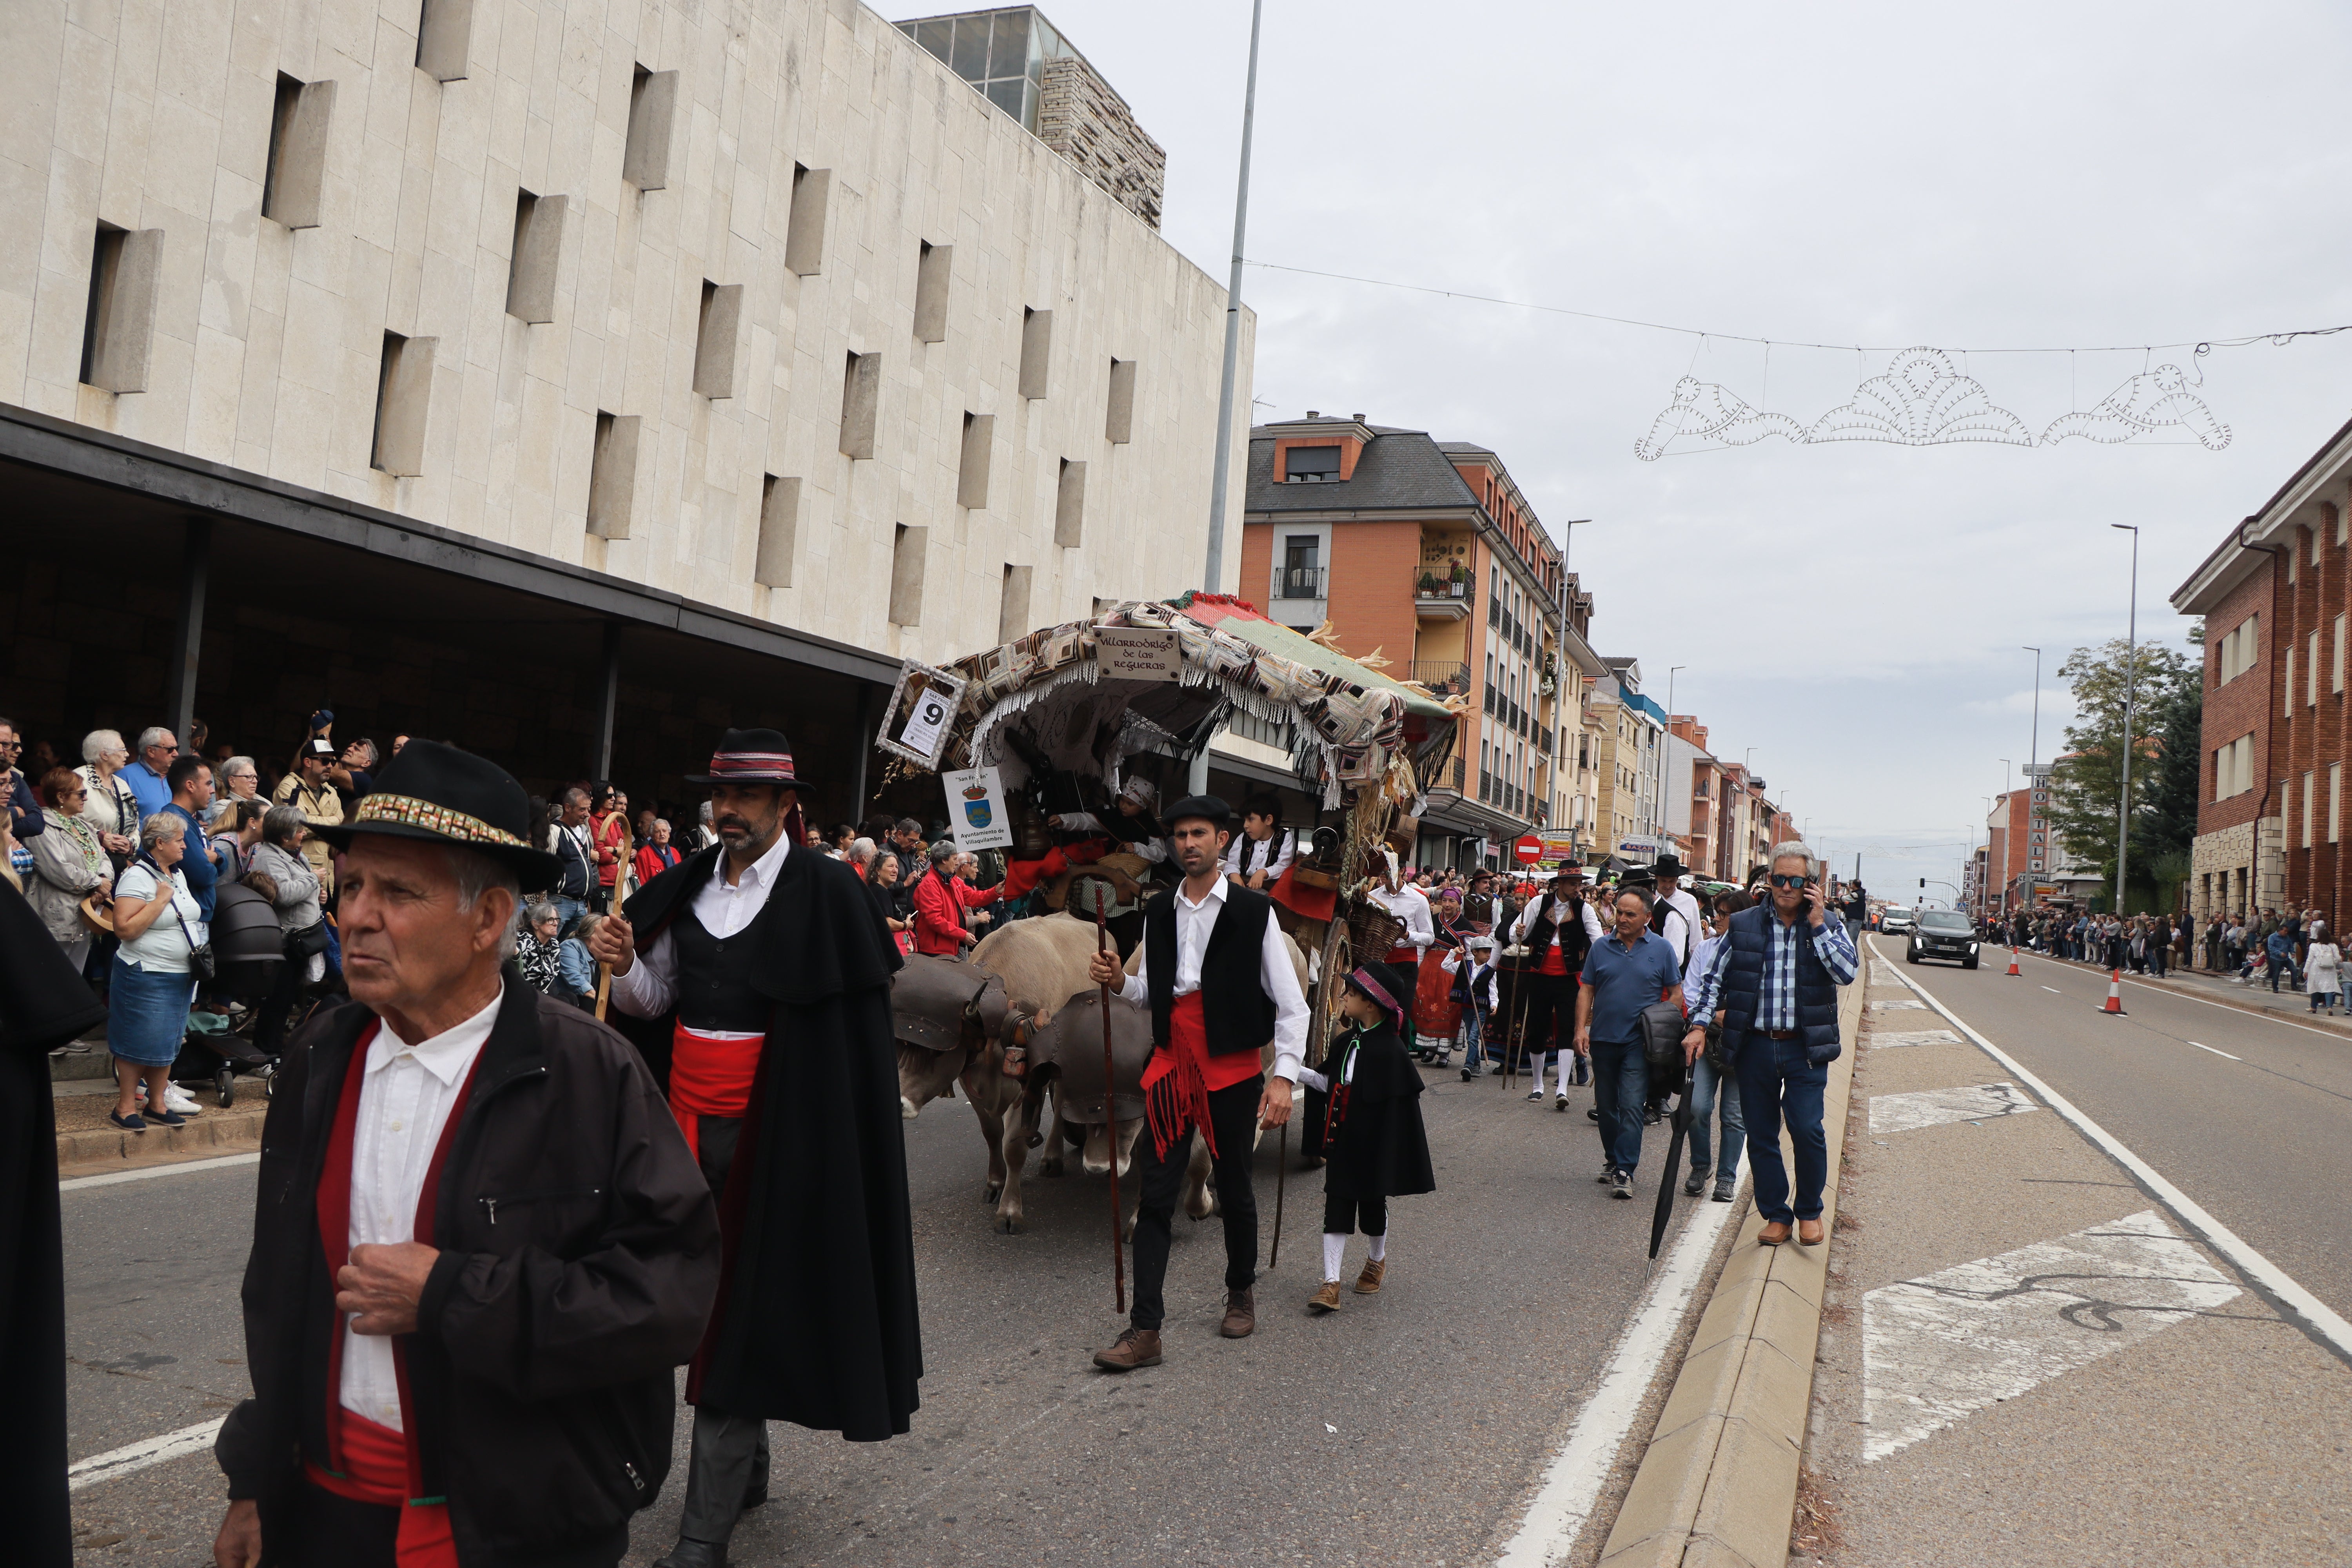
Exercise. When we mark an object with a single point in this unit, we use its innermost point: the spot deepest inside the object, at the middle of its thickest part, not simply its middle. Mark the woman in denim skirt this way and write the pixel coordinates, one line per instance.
(159, 922)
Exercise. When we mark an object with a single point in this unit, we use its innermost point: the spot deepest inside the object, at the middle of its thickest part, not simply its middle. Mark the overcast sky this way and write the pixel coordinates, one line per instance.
(1980, 177)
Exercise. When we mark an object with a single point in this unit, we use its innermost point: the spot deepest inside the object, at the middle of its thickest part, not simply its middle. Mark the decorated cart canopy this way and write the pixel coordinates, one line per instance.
(1160, 677)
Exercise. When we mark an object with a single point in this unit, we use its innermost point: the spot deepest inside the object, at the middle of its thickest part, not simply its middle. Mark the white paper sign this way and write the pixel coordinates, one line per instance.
(1138, 653)
(976, 809)
(926, 717)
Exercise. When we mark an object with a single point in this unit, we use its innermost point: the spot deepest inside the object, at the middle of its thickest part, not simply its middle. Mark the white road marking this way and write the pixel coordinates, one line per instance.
(2202, 1046)
(1942, 1106)
(1942, 1347)
(1572, 1481)
(176, 1169)
(2053, 991)
(2323, 1319)
(139, 1456)
(1896, 1006)
(1913, 1037)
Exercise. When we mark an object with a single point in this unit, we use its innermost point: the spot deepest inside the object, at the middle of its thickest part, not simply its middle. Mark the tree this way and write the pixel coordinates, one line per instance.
(2086, 782)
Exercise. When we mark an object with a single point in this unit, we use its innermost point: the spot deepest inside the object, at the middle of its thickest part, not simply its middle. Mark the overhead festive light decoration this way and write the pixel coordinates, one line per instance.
(1922, 400)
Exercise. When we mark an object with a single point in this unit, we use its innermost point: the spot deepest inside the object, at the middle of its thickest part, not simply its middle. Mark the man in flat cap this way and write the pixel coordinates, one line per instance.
(481, 1247)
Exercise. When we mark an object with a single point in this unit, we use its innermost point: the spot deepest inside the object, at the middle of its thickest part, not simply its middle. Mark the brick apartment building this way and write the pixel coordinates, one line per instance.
(1424, 552)
(2275, 595)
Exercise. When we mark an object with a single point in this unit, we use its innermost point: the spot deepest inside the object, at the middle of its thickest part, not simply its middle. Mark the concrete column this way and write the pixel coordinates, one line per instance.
(188, 628)
(608, 700)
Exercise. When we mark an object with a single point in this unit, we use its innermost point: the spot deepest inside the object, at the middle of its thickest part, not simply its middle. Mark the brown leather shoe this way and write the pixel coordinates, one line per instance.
(1325, 1299)
(1137, 1347)
(1773, 1235)
(1809, 1233)
(1368, 1283)
(1241, 1314)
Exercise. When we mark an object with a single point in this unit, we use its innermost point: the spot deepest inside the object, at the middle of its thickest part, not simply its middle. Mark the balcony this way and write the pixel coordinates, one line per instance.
(1303, 581)
(1446, 678)
(1436, 599)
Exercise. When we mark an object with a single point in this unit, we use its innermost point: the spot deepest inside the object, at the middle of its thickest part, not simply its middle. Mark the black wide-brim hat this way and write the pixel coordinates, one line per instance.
(1385, 986)
(1667, 866)
(432, 792)
(751, 756)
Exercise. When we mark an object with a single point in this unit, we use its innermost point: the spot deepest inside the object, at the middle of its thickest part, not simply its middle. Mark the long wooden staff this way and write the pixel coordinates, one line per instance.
(1110, 1121)
(1281, 1169)
(604, 988)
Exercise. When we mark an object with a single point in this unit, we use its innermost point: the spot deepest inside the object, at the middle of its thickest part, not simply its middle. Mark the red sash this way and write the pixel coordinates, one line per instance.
(710, 1077)
(367, 1461)
(1178, 1079)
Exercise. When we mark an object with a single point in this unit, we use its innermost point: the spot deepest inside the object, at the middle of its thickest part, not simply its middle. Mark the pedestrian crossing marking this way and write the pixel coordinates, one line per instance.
(1942, 1106)
(1897, 1007)
(1879, 1039)
(1938, 1349)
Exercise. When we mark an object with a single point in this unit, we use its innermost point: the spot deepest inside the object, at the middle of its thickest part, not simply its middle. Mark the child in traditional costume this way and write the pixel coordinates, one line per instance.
(1373, 1141)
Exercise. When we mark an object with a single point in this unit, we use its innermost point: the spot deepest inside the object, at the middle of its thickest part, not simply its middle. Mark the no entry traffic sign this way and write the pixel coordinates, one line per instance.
(1530, 849)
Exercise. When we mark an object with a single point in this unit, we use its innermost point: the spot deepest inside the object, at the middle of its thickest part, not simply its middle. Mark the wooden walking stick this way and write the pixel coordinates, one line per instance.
(1110, 1121)
(1281, 1169)
(604, 988)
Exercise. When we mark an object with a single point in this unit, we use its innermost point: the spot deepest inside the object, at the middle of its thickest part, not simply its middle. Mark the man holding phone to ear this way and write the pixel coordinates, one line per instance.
(1774, 979)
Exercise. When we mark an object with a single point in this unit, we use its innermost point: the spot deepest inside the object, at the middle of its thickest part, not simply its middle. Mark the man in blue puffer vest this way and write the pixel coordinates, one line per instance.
(1773, 982)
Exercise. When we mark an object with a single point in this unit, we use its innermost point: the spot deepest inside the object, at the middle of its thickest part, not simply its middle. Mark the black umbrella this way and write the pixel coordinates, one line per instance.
(1665, 1208)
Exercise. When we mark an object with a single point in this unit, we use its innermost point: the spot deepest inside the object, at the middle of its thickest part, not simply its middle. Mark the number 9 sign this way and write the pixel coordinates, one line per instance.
(920, 717)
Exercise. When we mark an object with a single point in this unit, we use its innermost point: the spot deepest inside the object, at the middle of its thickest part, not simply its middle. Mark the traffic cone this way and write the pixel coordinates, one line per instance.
(2114, 993)
(2012, 962)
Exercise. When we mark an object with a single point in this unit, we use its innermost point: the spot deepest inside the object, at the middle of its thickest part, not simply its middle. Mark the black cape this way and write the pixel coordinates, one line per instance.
(817, 1321)
(43, 1003)
(1378, 1147)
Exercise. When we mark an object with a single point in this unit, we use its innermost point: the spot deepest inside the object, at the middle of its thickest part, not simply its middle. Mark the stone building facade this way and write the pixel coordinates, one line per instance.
(718, 324)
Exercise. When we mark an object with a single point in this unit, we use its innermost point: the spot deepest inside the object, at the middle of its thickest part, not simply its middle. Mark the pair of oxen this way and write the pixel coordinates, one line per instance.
(1027, 980)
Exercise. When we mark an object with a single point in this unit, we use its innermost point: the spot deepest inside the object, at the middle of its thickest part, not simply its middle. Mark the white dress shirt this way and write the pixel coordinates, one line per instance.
(1410, 905)
(650, 987)
(405, 1101)
(1694, 926)
(1194, 924)
(1526, 923)
(1272, 856)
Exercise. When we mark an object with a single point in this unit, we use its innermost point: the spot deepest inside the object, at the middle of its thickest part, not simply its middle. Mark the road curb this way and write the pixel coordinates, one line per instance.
(1717, 1485)
(217, 1132)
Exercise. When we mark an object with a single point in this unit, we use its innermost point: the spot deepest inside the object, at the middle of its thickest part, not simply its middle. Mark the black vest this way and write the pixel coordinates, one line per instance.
(1234, 1007)
(1256, 857)
(714, 979)
(1574, 939)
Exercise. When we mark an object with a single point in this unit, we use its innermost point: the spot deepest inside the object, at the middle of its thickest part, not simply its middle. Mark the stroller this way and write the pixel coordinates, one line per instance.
(247, 951)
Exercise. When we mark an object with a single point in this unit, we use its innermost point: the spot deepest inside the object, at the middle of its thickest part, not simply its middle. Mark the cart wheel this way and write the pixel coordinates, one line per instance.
(224, 1084)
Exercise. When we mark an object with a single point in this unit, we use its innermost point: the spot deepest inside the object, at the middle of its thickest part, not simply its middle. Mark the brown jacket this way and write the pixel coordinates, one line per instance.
(322, 809)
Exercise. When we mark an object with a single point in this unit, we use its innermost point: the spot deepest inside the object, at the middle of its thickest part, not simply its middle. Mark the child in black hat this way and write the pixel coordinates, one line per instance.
(1373, 1141)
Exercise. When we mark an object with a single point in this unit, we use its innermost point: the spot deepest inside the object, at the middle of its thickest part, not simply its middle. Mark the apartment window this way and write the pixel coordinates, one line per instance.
(1302, 570)
(907, 551)
(297, 172)
(444, 30)
(1037, 351)
(1013, 603)
(2306, 811)
(861, 395)
(2335, 800)
(118, 329)
(2336, 664)
(714, 338)
(931, 291)
(780, 530)
(2311, 672)
(805, 227)
(613, 475)
(971, 470)
(537, 247)
(2293, 556)
(1118, 418)
(404, 387)
(1070, 506)
(1311, 465)
(653, 111)
(2288, 708)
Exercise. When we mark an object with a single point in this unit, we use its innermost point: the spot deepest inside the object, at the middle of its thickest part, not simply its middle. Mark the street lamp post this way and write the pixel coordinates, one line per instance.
(2131, 682)
(1223, 467)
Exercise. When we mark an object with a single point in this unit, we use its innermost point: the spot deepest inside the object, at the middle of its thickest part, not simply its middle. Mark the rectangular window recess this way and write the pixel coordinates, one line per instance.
(295, 180)
(714, 338)
(404, 388)
(1119, 421)
(931, 264)
(1070, 506)
(119, 319)
(804, 226)
(445, 30)
(972, 471)
(1311, 465)
(538, 249)
(1037, 351)
(907, 551)
(613, 475)
(861, 394)
(652, 112)
(779, 527)
(1013, 605)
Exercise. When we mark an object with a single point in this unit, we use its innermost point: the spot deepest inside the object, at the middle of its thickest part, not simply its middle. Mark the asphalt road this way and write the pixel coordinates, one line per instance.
(1411, 1426)
(2260, 1140)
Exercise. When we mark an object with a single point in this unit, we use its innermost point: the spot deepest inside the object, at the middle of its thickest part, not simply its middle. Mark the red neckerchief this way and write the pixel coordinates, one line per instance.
(424, 1539)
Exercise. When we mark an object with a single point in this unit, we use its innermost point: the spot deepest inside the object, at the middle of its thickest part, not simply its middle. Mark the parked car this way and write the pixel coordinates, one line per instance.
(1945, 934)
(1896, 923)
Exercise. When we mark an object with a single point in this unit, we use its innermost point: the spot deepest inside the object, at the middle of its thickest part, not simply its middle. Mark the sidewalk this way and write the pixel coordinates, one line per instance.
(88, 1144)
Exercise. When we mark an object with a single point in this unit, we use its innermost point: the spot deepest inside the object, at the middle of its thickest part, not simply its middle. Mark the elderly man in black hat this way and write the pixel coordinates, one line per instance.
(481, 1247)
(760, 971)
(1556, 931)
(1218, 977)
